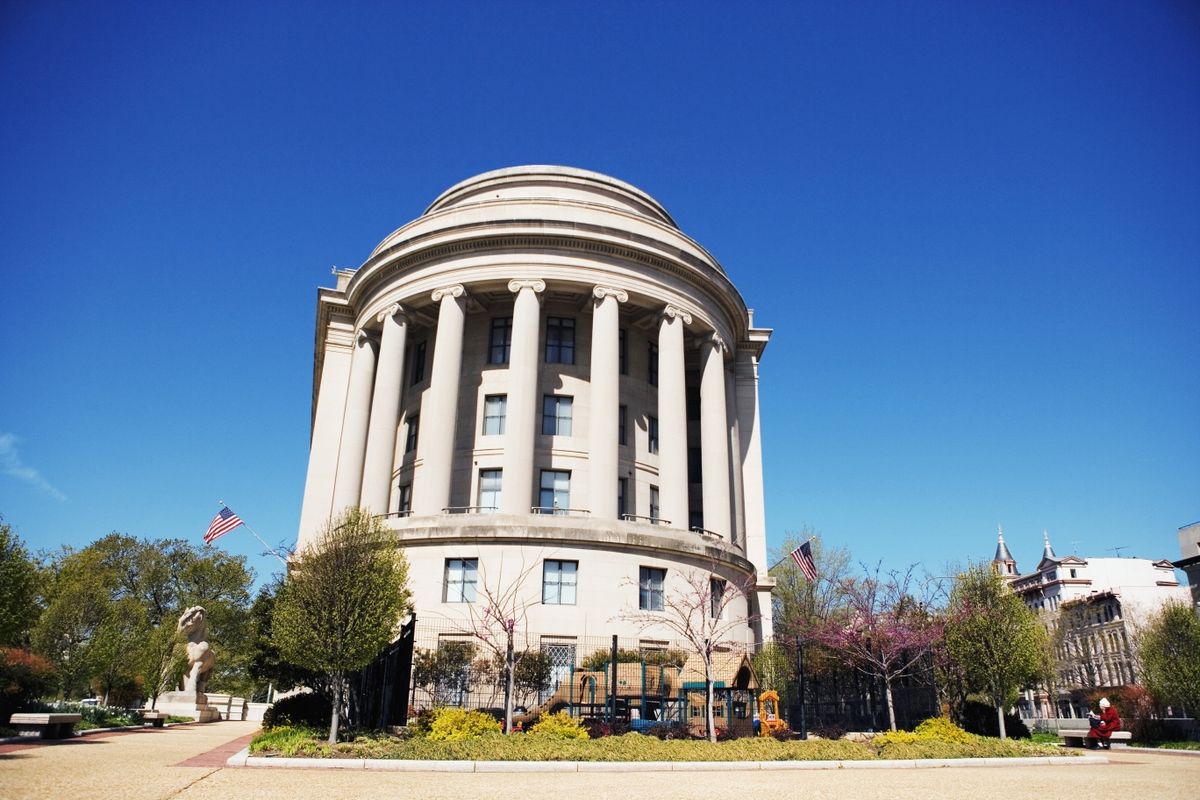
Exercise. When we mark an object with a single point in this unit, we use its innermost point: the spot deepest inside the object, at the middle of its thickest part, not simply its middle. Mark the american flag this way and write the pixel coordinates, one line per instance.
(802, 555)
(221, 524)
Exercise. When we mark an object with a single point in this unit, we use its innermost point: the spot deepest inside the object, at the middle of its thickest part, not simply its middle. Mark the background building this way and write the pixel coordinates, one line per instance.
(551, 390)
(1091, 608)
(1189, 548)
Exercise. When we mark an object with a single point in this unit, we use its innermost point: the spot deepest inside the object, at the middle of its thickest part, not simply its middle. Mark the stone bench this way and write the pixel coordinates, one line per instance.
(45, 725)
(1076, 738)
(155, 718)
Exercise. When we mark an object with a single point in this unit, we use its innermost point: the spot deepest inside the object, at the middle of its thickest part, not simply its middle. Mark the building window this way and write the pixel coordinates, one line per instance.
(654, 504)
(556, 415)
(554, 490)
(405, 504)
(623, 351)
(489, 489)
(500, 340)
(716, 596)
(560, 340)
(622, 415)
(462, 576)
(494, 408)
(622, 493)
(558, 582)
(650, 588)
(418, 364)
(410, 436)
(652, 364)
(652, 434)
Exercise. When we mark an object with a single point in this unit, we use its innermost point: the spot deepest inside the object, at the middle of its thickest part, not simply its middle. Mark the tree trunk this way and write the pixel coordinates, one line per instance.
(1000, 719)
(709, 719)
(337, 708)
(508, 685)
(891, 706)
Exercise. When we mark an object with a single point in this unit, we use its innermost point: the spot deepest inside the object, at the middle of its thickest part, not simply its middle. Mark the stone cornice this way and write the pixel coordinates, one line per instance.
(575, 237)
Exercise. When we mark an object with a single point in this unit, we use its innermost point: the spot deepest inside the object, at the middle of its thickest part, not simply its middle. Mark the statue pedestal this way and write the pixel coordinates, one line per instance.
(187, 704)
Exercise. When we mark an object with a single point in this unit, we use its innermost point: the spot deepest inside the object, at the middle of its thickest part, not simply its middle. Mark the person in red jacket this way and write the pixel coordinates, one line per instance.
(1103, 725)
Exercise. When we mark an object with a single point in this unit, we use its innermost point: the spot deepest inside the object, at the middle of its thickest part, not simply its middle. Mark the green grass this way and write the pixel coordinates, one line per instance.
(1171, 745)
(307, 742)
(1044, 737)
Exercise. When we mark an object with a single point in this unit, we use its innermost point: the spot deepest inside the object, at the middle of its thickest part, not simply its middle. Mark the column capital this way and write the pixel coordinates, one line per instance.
(601, 292)
(717, 341)
(456, 291)
(394, 310)
(363, 336)
(537, 285)
(675, 312)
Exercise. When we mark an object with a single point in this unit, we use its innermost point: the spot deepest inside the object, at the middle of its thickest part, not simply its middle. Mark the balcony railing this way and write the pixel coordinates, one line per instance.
(651, 520)
(705, 532)
(561, 512)
(470, 510)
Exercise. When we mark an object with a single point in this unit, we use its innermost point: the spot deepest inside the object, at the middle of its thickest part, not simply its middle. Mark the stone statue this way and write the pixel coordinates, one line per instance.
(194, 625)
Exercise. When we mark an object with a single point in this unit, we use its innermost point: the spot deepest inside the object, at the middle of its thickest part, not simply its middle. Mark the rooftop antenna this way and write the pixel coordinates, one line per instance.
(1118, 550)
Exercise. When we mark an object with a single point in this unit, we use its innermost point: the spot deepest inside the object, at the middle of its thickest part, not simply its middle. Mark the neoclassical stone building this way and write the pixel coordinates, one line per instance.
(543, 376)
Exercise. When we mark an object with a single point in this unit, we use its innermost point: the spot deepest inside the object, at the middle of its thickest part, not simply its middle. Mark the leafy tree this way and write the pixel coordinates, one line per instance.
(24, 676)
(114, 648)
(444, 671)
(883, 631)
(161, 660)
(341, 604)
(18, 588)
(775, 667)
(78, 602)
(997, 642)
(1170, 651)
(698, 610)
(266, 666)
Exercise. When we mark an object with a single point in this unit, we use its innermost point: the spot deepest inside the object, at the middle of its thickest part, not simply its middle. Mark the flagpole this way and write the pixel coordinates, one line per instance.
(789, 555)
(270, 549)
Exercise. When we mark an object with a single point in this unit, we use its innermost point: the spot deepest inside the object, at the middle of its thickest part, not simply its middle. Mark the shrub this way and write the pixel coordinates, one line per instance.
(560, 726)
(980, 718)
(598, 727)
(103, 716)
(828, 730)
(300, 710)
(669, 731)
(24, 677)
(600, 659)
(421, 723)
(942, 730)
(286, 740)
(458, 724)
(782, 733)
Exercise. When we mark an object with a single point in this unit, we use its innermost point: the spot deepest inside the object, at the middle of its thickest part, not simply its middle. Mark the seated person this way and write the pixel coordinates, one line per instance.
(1102, 725)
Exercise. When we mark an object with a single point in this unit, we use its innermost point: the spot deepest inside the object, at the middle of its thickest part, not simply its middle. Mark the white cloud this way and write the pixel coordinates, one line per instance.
(10, 464)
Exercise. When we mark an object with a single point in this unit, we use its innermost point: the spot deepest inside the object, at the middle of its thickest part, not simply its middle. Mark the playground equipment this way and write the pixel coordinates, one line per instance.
(768, 713)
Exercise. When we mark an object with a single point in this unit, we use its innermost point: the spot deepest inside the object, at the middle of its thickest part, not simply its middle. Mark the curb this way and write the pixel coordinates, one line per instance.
(243, 759)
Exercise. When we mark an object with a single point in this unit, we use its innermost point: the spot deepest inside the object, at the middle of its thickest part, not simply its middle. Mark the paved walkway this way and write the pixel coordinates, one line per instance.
(185, 763)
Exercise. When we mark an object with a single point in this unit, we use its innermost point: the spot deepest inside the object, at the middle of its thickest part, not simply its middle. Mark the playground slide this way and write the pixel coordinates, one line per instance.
(556, 702)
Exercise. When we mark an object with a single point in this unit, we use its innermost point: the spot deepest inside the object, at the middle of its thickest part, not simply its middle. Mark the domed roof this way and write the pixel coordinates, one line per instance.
(550, 183)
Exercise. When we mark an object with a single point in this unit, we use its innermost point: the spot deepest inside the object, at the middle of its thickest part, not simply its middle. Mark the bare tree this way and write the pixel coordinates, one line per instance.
(495, 620)
(698, 609)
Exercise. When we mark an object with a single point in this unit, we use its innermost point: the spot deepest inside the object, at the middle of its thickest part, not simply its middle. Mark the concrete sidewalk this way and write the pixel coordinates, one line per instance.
(183, 763)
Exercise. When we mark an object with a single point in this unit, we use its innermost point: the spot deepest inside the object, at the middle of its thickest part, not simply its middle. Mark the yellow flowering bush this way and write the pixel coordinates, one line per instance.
(458, 724)
(561, 726)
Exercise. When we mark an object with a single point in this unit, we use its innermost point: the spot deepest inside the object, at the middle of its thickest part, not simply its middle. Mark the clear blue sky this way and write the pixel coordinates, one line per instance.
(974, 227)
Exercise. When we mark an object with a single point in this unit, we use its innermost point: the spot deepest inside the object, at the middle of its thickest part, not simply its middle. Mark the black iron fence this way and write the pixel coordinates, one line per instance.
(639, 681)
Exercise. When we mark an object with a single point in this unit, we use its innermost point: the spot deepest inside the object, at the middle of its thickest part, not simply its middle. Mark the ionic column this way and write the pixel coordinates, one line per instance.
(672, 418)
(714, 436)
(520, 423)
(348, 485)
(385, 411)
(439, 412)
(605, 400)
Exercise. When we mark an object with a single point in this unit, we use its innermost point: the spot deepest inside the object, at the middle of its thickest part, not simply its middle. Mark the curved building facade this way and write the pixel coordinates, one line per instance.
(543, 380)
